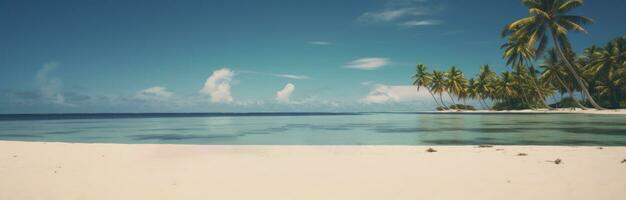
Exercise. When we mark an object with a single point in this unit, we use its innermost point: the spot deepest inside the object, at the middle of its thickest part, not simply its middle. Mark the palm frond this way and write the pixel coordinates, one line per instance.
(569, 5)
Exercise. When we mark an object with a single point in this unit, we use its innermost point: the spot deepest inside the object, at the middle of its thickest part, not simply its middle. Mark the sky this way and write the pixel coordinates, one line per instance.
(86, 56)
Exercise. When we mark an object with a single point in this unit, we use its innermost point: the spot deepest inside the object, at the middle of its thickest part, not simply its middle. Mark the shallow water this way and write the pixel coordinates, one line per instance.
(320, 129)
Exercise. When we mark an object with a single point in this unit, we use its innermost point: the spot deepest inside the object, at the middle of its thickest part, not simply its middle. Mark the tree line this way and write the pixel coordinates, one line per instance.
(537, 71)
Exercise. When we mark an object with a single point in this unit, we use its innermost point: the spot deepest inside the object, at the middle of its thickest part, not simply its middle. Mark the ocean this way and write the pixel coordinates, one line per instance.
(318, 128)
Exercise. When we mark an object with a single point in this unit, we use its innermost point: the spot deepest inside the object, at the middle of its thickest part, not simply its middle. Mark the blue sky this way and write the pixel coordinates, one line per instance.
(246, 56)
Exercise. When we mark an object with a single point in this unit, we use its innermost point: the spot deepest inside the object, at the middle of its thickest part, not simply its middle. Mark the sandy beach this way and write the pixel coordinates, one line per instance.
(556, 111)
(37, 170)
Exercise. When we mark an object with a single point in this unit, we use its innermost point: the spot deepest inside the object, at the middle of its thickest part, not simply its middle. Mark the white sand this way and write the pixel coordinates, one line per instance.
(560, 110)
(35, 170)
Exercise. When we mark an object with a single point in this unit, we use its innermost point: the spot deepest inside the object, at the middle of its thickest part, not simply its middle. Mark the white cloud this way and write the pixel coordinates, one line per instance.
(291, 76)
(368, 63)
(320, 43)
(50, 87)
(156, 93)
(404, 10)
(288, 76)
(283, 95)
(421, 23)
(391, 14)
(392, 94)
(217, 86)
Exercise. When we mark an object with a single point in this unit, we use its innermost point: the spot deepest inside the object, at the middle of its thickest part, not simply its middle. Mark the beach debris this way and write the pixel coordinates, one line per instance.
(557, 161)
(600, 148)
(431, 150)
(15, 156)
(499, 149)
(522, 154)
(624, 161)
(485, 146)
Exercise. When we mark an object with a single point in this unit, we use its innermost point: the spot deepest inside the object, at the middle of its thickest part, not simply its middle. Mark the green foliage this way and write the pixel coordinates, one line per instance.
(567, 103)
(514, 106)
(597, 74)
(462, 107)
(547, 20)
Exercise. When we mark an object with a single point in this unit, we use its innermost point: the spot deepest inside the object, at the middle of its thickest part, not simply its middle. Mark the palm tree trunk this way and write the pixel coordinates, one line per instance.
(571, 94)
(444, 105)
(543, 100)
(575, 74)
(487, 107)
(480, 101)
(431, 94)
(452, 99)
(524, 97)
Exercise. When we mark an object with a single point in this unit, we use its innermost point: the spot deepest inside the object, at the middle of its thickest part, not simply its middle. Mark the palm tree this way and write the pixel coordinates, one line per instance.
(473, 92)
(553, 74)
(550, 17)
(607, 66)
(424, 79)
(463, 93)
(610, 90)
(517, 52)
(506, 87)
(439, 85)
(533, 73)
(455, 81)
(519, 78)
(485, 84)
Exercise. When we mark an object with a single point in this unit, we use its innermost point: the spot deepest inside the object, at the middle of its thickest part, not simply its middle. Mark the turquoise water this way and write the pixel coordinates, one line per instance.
(320, 129)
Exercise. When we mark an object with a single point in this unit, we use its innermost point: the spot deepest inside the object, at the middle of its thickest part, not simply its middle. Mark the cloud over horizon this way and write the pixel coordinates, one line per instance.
(381, 94)
(50, 87)
(283, 95)
(217, 86)
(156, 93)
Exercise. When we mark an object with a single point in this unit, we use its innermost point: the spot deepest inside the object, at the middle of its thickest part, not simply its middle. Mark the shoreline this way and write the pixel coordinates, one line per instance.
(538, 111)
(48, 170)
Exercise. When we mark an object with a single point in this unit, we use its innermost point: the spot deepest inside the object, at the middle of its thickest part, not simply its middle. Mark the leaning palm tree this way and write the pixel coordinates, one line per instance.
(423, 79)
(553, 73)
(438, 85)
(455, 81)
(550, 19)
